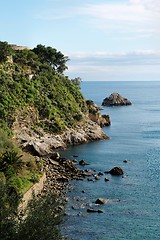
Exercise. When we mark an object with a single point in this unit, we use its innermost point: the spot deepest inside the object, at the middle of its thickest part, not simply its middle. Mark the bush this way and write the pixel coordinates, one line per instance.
(10, 162)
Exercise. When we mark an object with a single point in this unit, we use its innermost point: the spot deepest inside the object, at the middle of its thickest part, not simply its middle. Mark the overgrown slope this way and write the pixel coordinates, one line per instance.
(32, 79)
(28, 79)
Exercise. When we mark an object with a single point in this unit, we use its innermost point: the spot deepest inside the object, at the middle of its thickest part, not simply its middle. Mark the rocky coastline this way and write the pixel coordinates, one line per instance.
(45, 146)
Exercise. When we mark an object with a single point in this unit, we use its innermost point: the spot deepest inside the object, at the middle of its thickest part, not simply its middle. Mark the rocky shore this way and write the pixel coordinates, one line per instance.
(45, 146)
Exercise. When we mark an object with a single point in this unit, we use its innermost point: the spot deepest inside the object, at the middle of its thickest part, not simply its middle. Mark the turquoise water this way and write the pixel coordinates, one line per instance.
(134, 208)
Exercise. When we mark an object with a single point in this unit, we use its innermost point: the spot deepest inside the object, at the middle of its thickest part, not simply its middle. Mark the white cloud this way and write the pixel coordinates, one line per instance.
(152, 5)
(140, 56)
(136, 16)
(140, 18)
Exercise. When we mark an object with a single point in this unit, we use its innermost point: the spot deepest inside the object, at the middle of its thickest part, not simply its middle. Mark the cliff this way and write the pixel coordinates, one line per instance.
(41, 111)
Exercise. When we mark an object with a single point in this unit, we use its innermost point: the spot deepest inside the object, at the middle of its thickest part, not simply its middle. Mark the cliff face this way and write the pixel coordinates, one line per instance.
(38, 142)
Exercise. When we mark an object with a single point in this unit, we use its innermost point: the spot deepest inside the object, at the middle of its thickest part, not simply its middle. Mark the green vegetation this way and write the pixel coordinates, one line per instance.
(41, 223)
(35, 78)
(32, 81)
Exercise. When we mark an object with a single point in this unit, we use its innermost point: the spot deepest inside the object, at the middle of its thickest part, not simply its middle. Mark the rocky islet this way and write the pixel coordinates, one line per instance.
(115, 99)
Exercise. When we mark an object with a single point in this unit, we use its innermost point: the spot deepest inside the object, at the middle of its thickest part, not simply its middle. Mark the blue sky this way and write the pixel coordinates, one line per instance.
(105, 39)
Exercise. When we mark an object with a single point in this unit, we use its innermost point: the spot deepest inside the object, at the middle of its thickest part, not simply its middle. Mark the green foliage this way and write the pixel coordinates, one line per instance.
(10, 162)
(41, 222)
(26, 57)
(34, 79)
(52, 57)
(5, 141)
(5, 51)
(77, 81)
(43, 218)
(89, 102)
(34, 177)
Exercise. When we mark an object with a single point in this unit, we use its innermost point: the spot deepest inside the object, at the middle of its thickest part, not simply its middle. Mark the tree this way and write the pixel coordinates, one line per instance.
(51, 56)
(26, 57)
(77, 81)
(5, 51)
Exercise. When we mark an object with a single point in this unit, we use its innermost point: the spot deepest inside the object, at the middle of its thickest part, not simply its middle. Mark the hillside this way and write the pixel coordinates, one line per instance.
(41, 110)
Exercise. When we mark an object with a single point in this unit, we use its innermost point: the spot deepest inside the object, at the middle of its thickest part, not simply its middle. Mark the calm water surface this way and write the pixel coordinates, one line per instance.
(134, 209)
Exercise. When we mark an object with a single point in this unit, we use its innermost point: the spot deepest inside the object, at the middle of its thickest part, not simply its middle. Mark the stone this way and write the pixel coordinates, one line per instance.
(82, 163)
(125, 161)
(97, 177)
(100, 174)
(106, 179)
(90, 179)
(115, 99)
(116, 171)
(55, 156)
(101, 201)
(91, 210)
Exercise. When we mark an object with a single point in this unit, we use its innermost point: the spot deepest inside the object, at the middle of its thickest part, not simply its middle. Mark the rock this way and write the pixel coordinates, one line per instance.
(101, 201)
(91, 210)
(116, 171)
(115, 99)
(90, 179)
(97, 177)
(125, 161)
(100, 211)
(100, 174)
(55, 156)
(53, 162)
(36, 149)
(106, 179)
(95, 115)
(105, 120)
(82, 163)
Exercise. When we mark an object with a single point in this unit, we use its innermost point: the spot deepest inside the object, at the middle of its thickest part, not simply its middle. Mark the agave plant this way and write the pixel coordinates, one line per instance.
(10, 158)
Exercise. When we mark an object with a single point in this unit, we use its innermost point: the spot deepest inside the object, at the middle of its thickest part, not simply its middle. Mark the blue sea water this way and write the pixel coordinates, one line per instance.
(133, 212)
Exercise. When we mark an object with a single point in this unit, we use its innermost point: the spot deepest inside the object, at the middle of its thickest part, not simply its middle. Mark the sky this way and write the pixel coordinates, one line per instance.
(105, 40)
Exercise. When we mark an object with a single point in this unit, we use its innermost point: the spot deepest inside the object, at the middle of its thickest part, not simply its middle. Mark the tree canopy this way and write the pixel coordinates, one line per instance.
(51, 56)
(5, 51)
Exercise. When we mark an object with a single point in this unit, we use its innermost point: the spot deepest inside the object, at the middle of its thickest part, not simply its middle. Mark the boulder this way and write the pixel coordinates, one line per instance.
(115, 99)
(116, 171)
(55, 156)
(36, 148)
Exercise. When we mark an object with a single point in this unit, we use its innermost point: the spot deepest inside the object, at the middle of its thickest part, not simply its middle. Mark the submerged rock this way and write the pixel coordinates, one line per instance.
(115, 99)
(91, 210)
(83, 163)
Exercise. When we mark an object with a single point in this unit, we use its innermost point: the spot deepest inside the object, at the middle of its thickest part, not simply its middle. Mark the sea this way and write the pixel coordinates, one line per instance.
(133, 208)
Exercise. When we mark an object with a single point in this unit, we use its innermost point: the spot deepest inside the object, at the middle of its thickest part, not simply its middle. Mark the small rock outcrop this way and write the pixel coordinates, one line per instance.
(95, 115)
(116, 171)
(115, 99)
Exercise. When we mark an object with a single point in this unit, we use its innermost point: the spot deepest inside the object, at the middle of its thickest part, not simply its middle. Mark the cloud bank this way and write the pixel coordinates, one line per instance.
(133, 66)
